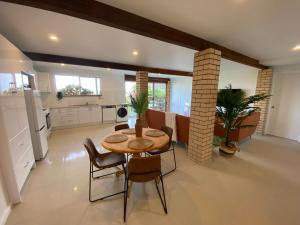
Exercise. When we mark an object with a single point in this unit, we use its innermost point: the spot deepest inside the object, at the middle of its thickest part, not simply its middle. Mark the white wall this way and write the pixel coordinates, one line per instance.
(284, 118)
(238, 75)
(113, 85)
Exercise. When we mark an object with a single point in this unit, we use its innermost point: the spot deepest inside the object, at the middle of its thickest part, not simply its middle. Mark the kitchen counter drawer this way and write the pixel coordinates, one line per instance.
(23, 167)
(68, 110)
(20, 144)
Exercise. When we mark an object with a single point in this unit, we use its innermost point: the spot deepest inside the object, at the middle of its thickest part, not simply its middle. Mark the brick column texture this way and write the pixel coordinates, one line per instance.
(141, 82)
(203, 107)
(168, 96)
(142, 86)
(263, 86)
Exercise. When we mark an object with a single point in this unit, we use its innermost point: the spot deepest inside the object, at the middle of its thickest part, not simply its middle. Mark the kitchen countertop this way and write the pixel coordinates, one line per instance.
(77, 106)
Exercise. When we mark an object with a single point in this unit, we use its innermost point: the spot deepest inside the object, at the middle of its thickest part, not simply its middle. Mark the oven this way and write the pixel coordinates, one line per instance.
(48, 121)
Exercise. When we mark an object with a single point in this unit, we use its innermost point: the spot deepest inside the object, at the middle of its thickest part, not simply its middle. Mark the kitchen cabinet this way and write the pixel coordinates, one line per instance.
(16, 155)
(89, 114)
(75, 116)
(43, 82)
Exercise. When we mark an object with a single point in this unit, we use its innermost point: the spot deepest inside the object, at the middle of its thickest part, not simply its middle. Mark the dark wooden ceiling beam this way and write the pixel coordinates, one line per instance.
(108, 15)
(102, 64)
(150, 79)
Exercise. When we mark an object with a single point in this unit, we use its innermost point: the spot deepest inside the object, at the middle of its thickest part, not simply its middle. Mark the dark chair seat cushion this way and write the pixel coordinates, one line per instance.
(157, 151)
(109, 159)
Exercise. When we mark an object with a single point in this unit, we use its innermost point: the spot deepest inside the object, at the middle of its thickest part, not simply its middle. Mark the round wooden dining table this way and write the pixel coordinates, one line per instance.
(122, 147)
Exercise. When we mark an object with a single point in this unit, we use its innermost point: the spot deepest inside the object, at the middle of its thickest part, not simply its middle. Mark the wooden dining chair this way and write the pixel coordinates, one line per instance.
(168, 147)
(121, 127)
(144, 169)
(101, 162)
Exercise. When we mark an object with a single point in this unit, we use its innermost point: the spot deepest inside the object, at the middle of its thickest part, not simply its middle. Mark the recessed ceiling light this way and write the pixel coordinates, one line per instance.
(21, 61)
(108, 69)
(296, 48)
(62, 64)
(53, 37)
(135, 53)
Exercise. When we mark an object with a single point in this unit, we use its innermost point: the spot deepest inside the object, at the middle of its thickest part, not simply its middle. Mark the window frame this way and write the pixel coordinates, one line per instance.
(79, 83)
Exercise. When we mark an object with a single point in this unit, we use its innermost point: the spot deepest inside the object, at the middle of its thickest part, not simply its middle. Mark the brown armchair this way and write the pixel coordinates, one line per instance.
(241, 133)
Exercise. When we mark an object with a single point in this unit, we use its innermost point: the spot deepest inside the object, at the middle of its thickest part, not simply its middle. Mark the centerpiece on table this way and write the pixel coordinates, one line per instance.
(140, 106)
(232, 104)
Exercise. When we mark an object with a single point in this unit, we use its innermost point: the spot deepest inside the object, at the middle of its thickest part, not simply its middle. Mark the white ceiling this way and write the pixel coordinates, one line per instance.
(263, 29)
(28, 28)
(266, 30)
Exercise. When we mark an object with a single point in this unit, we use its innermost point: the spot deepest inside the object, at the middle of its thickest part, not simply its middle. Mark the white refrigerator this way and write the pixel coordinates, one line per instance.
(37, 123)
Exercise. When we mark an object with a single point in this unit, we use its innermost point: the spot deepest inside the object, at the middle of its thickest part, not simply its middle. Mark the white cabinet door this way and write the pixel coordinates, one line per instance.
(76, 115)
(83, 115)
(14, 113)
(23, 167)
(55, 117)
(43, 82)
(69, 116)
(89, 114)
(21, 111)
(95, 113)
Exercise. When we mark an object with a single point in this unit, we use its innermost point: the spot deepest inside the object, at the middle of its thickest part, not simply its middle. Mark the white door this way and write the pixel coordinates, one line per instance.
(284, 117)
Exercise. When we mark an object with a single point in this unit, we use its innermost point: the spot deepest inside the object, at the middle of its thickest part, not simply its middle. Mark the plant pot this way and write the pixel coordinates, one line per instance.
(138, 128)
(228, 150)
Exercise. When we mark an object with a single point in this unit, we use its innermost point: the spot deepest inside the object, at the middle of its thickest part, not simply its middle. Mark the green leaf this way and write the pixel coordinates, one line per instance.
(232, 104)
(140, 103)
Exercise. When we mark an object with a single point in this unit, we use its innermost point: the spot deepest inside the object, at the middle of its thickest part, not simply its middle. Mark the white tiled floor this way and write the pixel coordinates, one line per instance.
(260, 185)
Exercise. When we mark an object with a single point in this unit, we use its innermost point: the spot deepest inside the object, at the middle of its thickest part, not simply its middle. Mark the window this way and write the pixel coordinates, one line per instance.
(157, 91)
(76, 85)
(157, 96)
(130, 88)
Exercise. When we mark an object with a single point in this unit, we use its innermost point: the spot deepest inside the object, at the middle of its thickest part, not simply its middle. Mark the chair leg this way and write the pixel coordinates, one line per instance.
(125, 198)
(175, 164)
(90, 182)
(162, 198)
(90, 185)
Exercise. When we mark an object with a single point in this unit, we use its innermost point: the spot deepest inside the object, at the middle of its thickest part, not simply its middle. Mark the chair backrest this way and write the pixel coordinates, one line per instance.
(91, 149)
(121, 127)
(143, 169)
(155, 119)
(169, 132)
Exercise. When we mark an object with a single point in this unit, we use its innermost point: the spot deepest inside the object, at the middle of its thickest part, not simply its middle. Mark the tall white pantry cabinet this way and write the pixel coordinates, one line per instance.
(16, 153)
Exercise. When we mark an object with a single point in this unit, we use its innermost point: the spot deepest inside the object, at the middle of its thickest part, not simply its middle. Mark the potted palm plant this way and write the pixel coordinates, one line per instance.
(232, 104)
(139, 105)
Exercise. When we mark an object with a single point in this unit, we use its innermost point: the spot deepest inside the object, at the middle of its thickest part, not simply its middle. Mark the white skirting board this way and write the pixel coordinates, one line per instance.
(5, 215)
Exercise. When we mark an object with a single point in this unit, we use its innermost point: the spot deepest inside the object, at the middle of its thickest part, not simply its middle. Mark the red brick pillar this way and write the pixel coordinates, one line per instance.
(203, 107)
(168, 96)
(141, 82)
(142, 86)
(263, 86)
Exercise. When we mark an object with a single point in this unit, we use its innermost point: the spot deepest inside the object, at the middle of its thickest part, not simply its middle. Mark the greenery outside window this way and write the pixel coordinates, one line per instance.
(78, 86)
